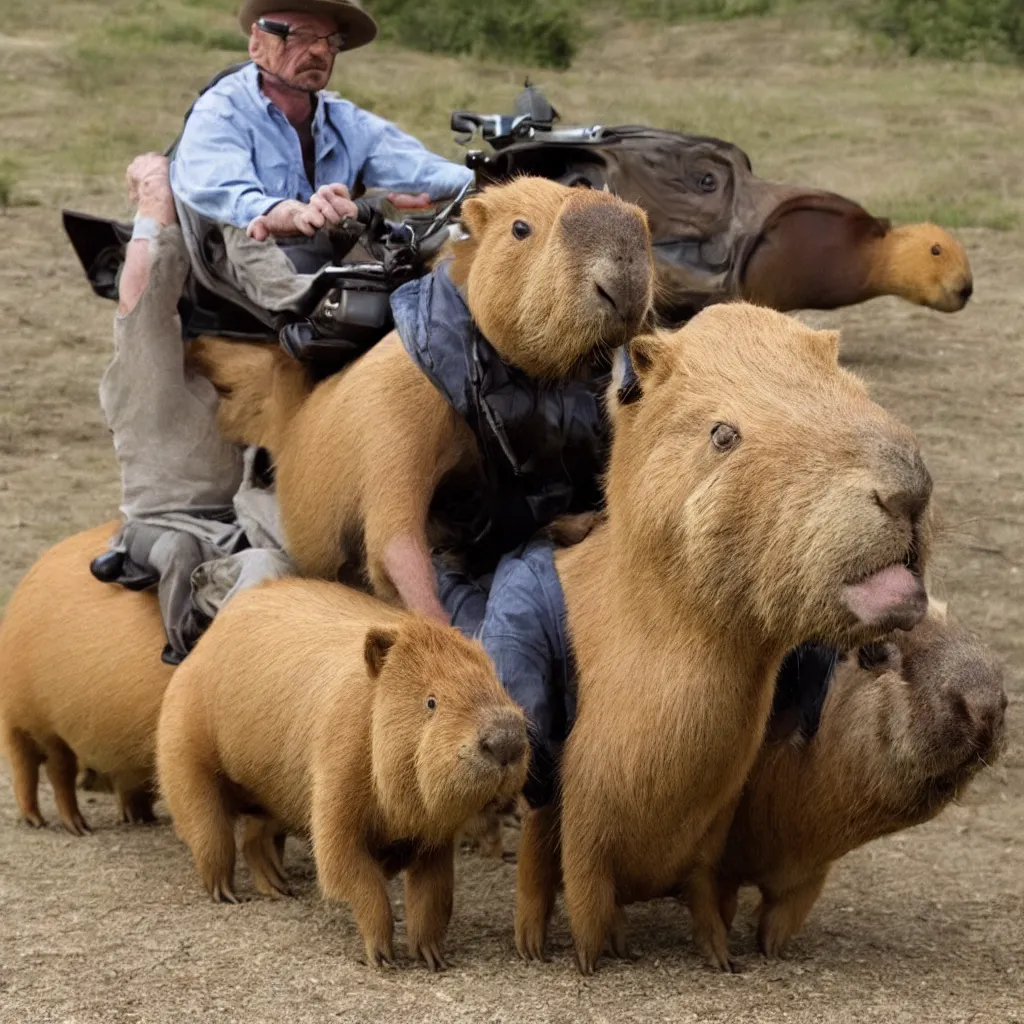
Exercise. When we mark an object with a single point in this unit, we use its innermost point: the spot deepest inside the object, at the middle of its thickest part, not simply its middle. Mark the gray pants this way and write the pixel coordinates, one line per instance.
(180, 479)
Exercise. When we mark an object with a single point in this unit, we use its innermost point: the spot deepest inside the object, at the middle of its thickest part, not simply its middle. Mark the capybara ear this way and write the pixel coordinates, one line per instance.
(379, 641)
(474, 216)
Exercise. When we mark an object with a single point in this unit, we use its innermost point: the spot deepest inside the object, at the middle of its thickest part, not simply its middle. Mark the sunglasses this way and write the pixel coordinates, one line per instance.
(301, 36)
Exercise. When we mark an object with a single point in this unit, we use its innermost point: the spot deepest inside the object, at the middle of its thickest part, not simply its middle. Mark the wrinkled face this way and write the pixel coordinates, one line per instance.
(305, 59)
(941, 707)
(552, 274)
(939, 265)
(447, 740)
(761, 482)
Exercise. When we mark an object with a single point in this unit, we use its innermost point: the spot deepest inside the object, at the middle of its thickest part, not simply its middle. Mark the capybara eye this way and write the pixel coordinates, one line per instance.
(874, 655)
(707, 183)
(724, 436)
(936, 250)
(431, 703)
(520, 229)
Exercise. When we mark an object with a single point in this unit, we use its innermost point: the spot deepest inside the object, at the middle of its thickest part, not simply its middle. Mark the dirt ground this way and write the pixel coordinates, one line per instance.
(924, 926)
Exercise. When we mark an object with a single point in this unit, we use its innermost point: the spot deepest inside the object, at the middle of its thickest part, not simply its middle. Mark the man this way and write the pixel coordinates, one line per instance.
(267, 155)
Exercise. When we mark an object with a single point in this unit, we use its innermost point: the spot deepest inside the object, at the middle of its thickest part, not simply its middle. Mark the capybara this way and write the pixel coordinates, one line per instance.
(756, 498)
(550, 275)
(906, 724)
(81, 682)
(376, 733)
(815, 258)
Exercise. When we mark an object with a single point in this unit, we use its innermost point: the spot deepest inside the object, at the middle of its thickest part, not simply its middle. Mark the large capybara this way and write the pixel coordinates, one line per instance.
(72, 691)
(906, 724)
(550, 276)
(375, 732)
(756, 497)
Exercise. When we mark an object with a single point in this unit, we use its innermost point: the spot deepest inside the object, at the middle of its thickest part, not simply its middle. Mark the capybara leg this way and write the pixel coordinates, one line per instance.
(190, 780)
(25, 758)
(620, 934)
(537, 877)
(347, 872)
(62, 771)
(135, 802)
(429, 890)
(728, 903)
(260, 853)
(783, 916)
(709, 929)
(590, 901)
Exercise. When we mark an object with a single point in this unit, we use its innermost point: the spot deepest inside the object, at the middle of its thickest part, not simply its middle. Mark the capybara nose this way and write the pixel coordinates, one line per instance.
(908, 487)
(983, 711)
(504, 741)
(966, 292)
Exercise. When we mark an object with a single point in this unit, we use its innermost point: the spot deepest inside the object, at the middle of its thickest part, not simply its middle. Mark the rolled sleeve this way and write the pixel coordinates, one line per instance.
(403, 164)
(214, 173)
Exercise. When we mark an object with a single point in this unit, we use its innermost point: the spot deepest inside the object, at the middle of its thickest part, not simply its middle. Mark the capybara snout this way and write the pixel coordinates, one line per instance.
(503, 740)
(612, 241)
(958, 703)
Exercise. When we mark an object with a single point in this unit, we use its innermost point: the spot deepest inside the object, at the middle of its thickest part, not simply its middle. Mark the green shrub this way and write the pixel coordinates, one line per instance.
(952, 29)
(545, 32)
(682, 10)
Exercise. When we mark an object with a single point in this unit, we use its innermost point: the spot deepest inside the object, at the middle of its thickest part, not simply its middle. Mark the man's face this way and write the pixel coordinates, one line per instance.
(304, 60)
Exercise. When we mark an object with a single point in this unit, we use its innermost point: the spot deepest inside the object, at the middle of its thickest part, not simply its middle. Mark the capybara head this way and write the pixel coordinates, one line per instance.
(551, 273)
(940, 703)
(756, 480)
(924, 263)
(447, 740)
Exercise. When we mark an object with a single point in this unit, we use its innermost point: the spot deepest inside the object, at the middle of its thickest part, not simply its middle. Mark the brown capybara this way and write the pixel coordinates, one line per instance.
(551, 275)
(812, 258)
(756, 497)
(72, 691)
(374, 732)
(906, 724)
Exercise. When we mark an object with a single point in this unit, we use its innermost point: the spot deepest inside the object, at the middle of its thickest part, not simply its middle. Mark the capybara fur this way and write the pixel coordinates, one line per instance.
(906, 724)
(756, 498)
(819, 258)
(73, 693)
(551, 275)
(374, 732)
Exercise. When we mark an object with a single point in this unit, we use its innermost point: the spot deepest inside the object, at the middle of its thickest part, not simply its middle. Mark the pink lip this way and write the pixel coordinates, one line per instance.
(893, 597)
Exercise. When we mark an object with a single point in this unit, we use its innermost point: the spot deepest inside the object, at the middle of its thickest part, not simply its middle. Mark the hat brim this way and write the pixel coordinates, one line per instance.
(353, 22)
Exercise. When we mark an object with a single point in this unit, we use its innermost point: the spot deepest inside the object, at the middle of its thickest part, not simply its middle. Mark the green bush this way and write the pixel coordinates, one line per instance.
(545, 32)
(682, 10)
(952, 29)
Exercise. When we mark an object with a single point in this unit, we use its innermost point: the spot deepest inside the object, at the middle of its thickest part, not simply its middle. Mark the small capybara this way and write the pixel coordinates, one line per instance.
(550, 276)
(756, 497)
(326, 713)
(72, 691)
(906, 724)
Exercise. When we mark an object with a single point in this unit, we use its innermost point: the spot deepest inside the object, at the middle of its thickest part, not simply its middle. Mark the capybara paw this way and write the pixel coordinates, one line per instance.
(221, 892)
(34, 819)
(270, 883)
(430, 954)
(76, 824)
(772, 936)
(586, 961)
(619, 940)
(379, 953)
(531, 941)
(716, 951)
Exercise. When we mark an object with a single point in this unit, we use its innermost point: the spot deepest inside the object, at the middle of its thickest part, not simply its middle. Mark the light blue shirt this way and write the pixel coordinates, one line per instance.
(239, 156)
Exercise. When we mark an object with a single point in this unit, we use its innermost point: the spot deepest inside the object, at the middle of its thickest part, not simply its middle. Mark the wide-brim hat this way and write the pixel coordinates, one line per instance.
(353, 22)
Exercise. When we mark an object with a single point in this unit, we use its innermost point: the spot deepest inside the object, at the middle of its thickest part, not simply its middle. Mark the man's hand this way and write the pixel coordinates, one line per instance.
(405, 201)
(328, 205)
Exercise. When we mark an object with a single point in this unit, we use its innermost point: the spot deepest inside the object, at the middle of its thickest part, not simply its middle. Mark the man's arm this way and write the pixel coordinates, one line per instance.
(403, 164)
(213, 172)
